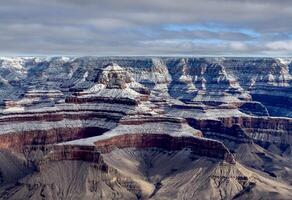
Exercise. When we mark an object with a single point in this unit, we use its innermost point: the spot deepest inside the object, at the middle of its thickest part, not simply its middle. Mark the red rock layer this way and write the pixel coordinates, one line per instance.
(17, 141)
(201, 147)
(72, 152)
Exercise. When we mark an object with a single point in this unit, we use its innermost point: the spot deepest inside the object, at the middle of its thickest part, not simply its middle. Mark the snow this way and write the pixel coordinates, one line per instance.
(113, 67)
(20, 127)
(169, 128)
(285, 61)
(224, 85)
(14, 63)
(14, 109)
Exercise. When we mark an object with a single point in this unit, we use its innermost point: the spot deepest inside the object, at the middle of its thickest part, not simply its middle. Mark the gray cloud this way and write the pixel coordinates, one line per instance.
(130, 27)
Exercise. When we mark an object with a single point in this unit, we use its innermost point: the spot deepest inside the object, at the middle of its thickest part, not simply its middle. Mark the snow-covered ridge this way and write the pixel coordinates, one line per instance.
(187, 79)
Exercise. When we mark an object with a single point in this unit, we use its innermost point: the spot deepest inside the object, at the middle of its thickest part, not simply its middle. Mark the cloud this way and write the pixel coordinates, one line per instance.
(238, 46)
(152, 27)
(280, 45)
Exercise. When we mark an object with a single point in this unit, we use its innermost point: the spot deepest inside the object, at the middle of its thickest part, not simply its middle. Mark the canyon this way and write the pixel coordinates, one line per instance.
(145, 128)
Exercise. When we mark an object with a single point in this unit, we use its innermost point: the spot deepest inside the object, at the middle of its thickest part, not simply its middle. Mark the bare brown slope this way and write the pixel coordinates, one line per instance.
(150, 173)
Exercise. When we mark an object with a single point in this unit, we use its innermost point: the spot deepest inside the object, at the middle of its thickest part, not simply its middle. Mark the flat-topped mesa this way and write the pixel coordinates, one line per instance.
(168, 133)
(199, 146)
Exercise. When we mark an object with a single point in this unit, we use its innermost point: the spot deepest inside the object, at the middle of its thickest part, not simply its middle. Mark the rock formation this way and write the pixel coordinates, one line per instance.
(145, 128)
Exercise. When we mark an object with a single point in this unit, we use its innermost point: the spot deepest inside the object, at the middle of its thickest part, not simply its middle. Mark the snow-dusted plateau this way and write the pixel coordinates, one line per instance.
(145, 128)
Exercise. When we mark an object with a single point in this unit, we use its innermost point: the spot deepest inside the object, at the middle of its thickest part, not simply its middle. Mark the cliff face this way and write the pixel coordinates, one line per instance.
(224, 111)
(266, 80)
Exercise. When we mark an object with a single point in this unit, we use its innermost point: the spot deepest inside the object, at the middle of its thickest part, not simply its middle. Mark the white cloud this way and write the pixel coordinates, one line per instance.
(280, 45)
(238, 46)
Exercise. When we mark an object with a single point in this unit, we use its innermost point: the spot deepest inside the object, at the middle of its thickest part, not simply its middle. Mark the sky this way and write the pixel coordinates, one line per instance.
(146, 27)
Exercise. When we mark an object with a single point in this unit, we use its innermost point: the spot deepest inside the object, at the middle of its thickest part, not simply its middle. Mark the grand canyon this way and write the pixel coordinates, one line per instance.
(145, 128)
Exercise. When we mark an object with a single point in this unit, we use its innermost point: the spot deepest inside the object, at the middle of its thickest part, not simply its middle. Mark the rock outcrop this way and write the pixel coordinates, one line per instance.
(133, 128)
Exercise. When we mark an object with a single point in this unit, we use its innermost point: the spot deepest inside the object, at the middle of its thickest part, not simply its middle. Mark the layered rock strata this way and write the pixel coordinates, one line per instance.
(206, 112)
